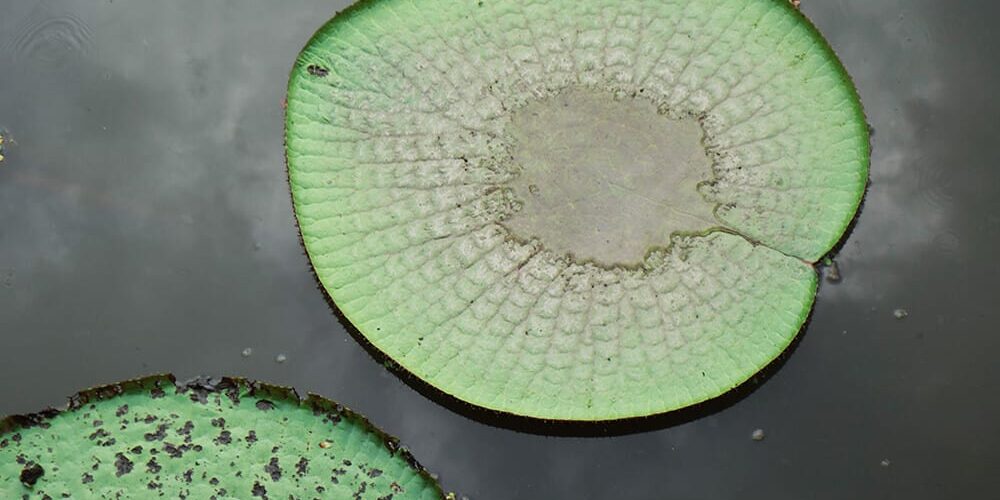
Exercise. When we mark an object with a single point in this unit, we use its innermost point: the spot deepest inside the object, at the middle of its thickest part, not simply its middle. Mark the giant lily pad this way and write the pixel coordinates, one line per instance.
(229, 438)
(574, 209)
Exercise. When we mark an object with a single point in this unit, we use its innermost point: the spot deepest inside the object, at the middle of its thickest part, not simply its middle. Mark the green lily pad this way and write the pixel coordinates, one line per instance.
(574, 210)
(229, 438)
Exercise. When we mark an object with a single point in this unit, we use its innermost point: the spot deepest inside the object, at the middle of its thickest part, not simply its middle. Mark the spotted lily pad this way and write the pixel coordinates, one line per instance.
(574, 209)
(229, 438)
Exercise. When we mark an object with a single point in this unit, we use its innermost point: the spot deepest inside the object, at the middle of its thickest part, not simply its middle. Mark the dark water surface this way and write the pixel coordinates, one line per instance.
(145, 226)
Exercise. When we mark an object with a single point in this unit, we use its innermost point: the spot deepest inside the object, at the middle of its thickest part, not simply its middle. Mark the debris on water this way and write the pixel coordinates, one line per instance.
(757, 435)
(900, 313)
(885, 462)
(281, 358)
(833, 272)
(325, 444)
(247, 352)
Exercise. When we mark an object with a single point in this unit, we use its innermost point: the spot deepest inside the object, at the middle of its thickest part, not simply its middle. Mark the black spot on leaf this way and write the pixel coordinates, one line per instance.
(225, 437)
(30, 474)
(319, 71)
(122, 465)
(273, 469)
(258, 490)
(161, 432)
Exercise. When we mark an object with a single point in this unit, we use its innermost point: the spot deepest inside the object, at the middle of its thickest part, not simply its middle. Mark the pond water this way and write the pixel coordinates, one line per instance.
(146, 226)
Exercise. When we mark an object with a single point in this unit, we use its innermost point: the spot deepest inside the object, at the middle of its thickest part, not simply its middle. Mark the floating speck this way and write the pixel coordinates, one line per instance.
(247, 352)
(325, 444)
(281, 358)
(757, 435)
(900, 313)
(885, 462)
(833, 273)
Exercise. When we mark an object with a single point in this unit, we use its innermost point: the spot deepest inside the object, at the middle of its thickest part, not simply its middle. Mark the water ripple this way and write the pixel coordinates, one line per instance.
(52, 41)
(934, 188)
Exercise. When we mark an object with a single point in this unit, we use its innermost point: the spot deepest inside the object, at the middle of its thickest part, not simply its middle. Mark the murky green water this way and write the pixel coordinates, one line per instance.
(145, 226)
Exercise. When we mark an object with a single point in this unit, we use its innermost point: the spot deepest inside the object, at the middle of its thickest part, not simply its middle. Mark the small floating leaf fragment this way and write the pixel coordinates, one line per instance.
(154, 437)
(833, 272)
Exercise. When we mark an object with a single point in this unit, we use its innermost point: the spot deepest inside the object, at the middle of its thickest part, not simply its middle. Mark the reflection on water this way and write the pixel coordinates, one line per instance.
(146, 227)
